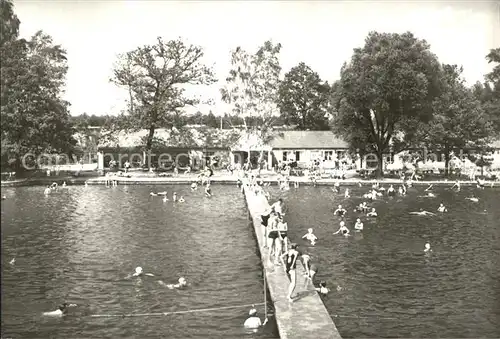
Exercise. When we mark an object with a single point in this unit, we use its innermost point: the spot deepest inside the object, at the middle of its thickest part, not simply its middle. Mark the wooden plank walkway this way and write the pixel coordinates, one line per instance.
(306, 317)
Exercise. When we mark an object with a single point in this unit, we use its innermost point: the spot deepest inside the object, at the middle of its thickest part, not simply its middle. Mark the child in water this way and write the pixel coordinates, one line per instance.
(343, 229)
(310, 236)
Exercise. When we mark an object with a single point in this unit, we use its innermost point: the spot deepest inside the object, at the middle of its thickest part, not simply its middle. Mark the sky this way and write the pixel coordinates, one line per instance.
(322, 34)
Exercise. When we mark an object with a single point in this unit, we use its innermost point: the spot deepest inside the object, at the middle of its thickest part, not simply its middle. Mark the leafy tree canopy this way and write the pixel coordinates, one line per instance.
(304, 98)
(155, 77)
(384, 91)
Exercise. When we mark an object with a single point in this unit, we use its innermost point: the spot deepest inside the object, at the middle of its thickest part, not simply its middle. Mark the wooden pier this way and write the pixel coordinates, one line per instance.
(306, 317)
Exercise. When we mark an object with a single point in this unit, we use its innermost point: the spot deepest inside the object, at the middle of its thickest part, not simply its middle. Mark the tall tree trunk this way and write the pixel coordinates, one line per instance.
(149, 143)
(380, 164)
(446, 162)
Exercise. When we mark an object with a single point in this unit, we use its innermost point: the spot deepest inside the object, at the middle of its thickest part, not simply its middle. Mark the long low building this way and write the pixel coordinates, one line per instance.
(197, 145)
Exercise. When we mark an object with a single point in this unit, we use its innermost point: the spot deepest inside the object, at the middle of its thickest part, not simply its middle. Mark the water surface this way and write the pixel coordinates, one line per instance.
(80, 244)
(452, 293)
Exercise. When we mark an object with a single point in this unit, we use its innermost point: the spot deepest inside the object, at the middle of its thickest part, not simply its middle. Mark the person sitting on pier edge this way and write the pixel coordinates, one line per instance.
(253, 321)
(340, 211)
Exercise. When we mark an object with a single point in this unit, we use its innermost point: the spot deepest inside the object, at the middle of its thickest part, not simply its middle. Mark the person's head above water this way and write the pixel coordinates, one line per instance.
(182, 281)
(340, 207)
(138, 270)
(322, 283)
(252, 312)
(358, 220)
(427, 245)
(63, 307)
(310, 230)
(342, 224)
(293, 246)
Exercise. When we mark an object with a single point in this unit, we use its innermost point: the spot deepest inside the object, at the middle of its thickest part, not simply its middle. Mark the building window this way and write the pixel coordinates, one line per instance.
(297, 155)
(328, 155)
(208, 158)
(285, 156)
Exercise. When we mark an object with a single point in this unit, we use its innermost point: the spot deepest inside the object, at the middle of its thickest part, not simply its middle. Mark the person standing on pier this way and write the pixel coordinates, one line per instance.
(278, 207)
(291, 264)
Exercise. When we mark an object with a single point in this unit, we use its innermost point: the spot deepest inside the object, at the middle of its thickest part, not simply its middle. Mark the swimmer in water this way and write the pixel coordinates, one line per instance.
(480, 183)
(174, 197)
(47, 190)
(340, 211)
(422, 212)
(64, 184)
(165, 199)
(427, 248)
(253, 321)
(343, 229)
(442, 208)
(12, 261)
(322, 289)
(139, 272)
(61, 310)
(208, 191)
(372, 213)
(164, 193)
(456, 185)
(358, 226)
(152, 194)
(86, 183)
(296, 184)
(181, 199)
(473, 199)
(310, 236)
(391, 191)
(346, 194)
(194, 186)
(181, 284)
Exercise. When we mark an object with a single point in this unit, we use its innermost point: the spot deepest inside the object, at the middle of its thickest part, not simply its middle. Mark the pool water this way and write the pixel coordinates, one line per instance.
(79, 245)
(388, 287)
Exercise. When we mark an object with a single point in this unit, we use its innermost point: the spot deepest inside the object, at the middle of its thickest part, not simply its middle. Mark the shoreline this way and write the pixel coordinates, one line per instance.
(227, 179)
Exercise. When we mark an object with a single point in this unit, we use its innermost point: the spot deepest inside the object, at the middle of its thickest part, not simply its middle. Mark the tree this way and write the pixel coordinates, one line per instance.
(489, 93)
(459, 120)
(384, 91)
(156, 77)
(303, 99)
(9, 22)
(35, 119)
(252, 89)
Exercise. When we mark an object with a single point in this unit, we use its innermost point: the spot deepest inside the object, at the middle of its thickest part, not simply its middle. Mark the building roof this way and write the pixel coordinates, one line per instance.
(186, 137)
(308, 140)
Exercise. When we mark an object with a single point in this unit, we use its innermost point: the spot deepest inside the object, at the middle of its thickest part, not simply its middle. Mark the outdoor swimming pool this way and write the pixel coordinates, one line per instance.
(390, 289)
(79, 246)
